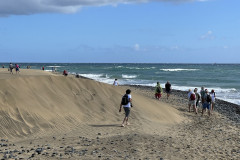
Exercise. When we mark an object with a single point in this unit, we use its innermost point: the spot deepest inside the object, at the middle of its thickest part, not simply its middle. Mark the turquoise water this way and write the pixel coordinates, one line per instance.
(223, 78)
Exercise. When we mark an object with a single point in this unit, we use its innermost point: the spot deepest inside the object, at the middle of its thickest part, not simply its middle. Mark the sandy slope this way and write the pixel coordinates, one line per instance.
(48, 116)
(40, 103)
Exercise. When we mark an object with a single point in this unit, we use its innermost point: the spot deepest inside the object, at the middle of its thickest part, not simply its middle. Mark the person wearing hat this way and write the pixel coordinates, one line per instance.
(213, 96)
(126, 104)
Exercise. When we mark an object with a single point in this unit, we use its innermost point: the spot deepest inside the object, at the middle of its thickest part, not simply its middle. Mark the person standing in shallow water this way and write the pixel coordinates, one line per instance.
(168, 88)
(126, 104)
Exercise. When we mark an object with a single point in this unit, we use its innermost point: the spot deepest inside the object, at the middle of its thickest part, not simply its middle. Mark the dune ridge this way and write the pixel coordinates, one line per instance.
(40, 103)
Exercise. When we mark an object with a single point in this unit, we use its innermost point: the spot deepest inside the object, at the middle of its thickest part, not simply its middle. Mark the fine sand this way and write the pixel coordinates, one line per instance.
(49, 116)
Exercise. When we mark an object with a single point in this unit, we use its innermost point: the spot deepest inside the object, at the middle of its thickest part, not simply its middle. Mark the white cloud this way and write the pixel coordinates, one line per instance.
(225, 47)
(208, 35)
(174, 48)
(136, 47)
(27, 7)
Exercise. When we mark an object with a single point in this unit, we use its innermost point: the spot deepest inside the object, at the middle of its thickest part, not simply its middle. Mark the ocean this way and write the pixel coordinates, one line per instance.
(223, 78)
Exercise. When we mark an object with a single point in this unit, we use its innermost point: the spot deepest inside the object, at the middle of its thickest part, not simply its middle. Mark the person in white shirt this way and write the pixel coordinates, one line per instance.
(126, 104)
(115, 83)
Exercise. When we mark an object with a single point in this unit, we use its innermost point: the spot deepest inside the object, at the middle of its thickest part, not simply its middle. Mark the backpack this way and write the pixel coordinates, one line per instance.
(125, 100)
(158, 90)
(192, 96)
(209, 98)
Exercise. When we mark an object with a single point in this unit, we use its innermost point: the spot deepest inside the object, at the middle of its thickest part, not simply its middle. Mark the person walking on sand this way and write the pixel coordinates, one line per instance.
(197, 99)
(213, 96)
(17, 68)
(158, 91)
(168, 88)
(115, 83)
(126, 104)
(207, 103)
(191, 101)
(202, 92)
(11, 68)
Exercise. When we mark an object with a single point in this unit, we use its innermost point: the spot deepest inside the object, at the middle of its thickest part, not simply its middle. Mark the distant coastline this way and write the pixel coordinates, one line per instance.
(223, 78)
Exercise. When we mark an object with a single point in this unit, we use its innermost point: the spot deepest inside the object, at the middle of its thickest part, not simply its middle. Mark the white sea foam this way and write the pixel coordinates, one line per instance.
(54, 66)
(128, 76)
(119, 67)
(132, 68)
(99, 77)
(92, 76)
(227, 94)
(178, 70)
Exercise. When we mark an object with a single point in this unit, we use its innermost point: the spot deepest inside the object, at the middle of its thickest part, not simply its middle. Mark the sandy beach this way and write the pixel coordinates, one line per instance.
(50, 116)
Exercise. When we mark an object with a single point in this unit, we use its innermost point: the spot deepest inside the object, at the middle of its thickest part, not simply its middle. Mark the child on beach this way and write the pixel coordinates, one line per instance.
(126, 104)
(158, 91)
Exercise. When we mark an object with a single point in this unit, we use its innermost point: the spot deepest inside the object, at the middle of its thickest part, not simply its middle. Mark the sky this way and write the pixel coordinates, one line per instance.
(120, 31)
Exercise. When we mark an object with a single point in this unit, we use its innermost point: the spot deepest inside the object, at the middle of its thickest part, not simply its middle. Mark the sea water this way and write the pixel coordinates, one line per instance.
(223, 78)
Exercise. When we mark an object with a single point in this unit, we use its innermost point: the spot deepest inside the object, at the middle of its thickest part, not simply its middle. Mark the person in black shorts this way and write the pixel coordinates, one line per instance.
(168, 88)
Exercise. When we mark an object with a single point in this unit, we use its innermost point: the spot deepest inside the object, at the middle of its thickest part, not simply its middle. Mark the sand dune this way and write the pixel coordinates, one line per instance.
(41, 103)
(49, 116)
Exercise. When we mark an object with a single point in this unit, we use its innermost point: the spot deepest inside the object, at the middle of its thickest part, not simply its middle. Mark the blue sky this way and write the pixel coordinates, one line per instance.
(151, 31)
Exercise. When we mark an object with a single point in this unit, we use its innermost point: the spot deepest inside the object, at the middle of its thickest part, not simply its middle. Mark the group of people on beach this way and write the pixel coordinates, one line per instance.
(194, 99)
(207, 99)
(11, 67)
